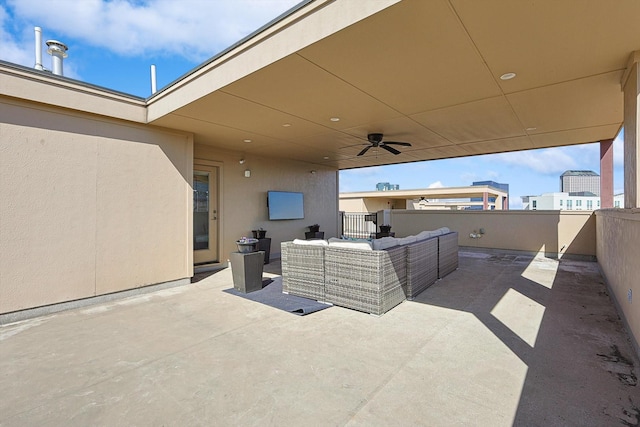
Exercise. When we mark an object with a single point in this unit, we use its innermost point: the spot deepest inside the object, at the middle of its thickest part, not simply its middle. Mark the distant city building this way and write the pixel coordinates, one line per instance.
(579, 190)
(562, 201)
(385, 186)
(574, 181)
(492, 200)
(436, 198)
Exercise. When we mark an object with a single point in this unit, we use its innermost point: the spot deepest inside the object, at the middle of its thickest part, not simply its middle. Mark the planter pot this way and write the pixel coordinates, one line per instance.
(247, 246)
(259, 234)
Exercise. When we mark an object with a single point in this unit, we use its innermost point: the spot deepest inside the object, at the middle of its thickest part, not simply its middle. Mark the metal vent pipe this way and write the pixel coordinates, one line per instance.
(153, 79)
(38, 65)
(58, 52)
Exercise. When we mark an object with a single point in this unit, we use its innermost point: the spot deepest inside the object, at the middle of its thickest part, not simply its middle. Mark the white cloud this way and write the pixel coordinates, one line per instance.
(14, 50)
(546, 161)
(194, 29)
(436, 184)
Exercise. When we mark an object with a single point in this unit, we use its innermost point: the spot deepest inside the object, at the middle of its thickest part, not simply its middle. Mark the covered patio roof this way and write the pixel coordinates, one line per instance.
(424, 72)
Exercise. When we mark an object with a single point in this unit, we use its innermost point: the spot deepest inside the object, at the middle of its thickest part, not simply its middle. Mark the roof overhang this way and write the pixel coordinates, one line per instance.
(425, 72)
(429, 193)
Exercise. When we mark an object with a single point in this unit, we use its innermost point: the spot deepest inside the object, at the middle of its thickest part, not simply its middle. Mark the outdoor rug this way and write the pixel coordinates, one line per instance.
(271, 295)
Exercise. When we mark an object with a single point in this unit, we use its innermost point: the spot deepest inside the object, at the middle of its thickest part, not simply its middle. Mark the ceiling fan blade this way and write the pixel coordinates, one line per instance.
(364, 151)
(389, 149)
(406, 144)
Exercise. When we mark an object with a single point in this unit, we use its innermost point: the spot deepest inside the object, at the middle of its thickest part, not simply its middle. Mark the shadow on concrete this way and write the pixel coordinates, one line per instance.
(580, 345)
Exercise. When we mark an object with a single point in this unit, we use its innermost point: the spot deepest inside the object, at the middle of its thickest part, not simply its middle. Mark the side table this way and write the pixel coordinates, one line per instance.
(264, 244)
(309, 235)
(246, 269)
(383, 234)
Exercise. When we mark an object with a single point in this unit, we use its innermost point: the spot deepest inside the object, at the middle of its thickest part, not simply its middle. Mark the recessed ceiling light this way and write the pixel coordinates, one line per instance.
(530, 129)
(507, 76)
(335, 119)
(248, 141)
(287, 125)
(326, 157)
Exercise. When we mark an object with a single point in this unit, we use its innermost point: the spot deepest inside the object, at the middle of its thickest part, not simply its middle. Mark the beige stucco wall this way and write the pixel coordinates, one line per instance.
(618, 252)
(90, 205)
(243, 201)
(551, 232)
(351, 205)
(360, 204)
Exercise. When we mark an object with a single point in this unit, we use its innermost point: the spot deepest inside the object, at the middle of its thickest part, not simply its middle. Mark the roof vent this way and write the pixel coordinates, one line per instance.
(58, 52)
(38, 65)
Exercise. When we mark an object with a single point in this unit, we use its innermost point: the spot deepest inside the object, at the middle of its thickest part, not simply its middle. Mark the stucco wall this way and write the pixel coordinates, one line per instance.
(90, 206)
(552, 232)
(618, 252)
(243, 201)
(370, 204)
(352, 205)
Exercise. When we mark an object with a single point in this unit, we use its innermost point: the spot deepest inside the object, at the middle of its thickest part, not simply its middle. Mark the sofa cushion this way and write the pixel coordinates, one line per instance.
(384, 243)
(314, 242)
(407, 240)
(424, 235)
(351, 244)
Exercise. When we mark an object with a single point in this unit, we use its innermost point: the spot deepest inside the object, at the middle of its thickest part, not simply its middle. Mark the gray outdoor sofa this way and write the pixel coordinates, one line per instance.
(345, 273)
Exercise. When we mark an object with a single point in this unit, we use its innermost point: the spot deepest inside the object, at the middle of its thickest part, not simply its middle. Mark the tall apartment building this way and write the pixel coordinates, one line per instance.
(579, 201)
(576, 181)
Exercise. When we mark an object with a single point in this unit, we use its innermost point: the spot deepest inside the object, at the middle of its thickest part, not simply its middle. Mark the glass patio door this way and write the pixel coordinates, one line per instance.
(205, 214)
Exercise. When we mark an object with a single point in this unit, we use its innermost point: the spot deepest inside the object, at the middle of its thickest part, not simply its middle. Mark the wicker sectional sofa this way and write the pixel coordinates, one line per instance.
(351, 275)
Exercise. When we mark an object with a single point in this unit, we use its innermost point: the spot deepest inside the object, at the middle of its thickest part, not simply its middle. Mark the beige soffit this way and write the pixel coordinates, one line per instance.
(425, 72)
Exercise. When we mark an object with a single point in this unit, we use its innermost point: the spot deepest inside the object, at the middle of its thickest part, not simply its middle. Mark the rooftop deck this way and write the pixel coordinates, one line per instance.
(505, 340)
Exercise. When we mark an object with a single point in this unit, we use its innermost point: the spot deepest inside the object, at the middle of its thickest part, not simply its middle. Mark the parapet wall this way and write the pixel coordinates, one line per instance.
(618, 252)
(556, 233)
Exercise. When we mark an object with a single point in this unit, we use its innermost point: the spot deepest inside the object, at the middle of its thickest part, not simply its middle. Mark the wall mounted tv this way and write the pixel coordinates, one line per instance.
(285, 205)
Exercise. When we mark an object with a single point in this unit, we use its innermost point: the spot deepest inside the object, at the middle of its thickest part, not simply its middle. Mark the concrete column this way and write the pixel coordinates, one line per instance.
(505, 203)
(631, 87)
(606, 174)
(499, 203)
(485, 201)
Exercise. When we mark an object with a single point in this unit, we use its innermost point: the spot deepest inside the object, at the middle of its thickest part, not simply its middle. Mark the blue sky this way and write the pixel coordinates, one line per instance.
(530, 172)
(113, 44)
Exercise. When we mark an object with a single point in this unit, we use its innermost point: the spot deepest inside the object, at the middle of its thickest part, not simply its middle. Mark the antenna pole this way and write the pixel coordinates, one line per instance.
(153, 79)
(38, 65)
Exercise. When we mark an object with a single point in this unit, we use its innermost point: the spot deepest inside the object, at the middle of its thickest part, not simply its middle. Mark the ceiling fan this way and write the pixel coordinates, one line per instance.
(375, 140)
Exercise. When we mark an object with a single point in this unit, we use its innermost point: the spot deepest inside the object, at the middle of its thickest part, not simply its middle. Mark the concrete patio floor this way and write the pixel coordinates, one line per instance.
(505, 340)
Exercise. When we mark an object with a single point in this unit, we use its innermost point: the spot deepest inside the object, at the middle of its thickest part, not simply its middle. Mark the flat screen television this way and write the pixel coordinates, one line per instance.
(285, 205)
